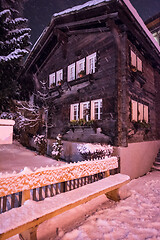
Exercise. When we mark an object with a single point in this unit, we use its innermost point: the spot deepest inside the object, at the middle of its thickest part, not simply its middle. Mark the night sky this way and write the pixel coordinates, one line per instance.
(39, 12)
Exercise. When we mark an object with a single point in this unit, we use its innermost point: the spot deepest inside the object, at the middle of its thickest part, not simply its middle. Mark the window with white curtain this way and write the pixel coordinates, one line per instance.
(85, 111)
(71, 72)
(74, 112)
(59, 76)
(96, 109)
(91, 63)
(52, 79)
(80, 66)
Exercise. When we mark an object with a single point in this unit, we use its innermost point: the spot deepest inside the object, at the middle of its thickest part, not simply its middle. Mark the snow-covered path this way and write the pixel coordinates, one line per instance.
(137, 217)
(134, 218)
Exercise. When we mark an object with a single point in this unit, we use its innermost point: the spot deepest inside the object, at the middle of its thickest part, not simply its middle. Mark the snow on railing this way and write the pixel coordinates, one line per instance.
(21, 182)
(15, 189)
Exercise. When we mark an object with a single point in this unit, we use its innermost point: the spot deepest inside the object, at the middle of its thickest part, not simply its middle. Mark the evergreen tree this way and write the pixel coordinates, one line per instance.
(14, 40)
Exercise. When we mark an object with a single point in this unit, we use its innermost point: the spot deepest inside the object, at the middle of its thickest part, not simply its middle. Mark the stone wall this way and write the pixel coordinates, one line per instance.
(137, 159)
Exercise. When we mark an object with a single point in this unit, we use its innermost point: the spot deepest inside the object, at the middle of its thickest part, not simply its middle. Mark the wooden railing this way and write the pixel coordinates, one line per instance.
(14, 190)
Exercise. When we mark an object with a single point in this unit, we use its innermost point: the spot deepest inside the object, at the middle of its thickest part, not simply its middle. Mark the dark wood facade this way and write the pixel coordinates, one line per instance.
(108, 30)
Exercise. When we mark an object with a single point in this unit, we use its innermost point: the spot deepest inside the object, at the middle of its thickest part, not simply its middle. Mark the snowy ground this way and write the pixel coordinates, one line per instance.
(136, 217)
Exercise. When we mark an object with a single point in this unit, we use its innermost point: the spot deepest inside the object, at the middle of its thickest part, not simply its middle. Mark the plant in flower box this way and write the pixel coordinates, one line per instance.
(81, 73)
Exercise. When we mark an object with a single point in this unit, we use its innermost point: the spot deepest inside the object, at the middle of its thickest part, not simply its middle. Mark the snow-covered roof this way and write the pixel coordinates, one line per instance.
(128, 5)
(92, 3)
(79, 7)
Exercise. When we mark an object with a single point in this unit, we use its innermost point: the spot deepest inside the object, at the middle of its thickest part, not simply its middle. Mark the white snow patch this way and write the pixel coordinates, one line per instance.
(79, 7)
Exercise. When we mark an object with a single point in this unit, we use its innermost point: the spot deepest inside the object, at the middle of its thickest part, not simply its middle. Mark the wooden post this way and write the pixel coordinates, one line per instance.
(107, 173)
(4, 203)
(34, 194)
(25, 196)
(113, 195)
(30, 234)
(40, 194)
(57, 189)
(12, 200)
(46, 191)
(51, 191)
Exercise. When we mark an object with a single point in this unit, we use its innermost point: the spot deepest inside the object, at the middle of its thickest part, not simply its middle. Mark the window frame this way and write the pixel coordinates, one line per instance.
(53, 81)
(78, 69)
(100, 106)
(73, 65)
(58, 78)
(72, 115)
(93, 57)
(87, 116)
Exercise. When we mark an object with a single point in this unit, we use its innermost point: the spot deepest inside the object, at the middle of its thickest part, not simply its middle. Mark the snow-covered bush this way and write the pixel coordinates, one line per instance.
(57, 147)
(7, 115)
(41, 143)
(94, 151)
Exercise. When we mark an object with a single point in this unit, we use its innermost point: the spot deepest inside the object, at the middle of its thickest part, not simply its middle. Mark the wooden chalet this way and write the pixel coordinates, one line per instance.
(102, 69)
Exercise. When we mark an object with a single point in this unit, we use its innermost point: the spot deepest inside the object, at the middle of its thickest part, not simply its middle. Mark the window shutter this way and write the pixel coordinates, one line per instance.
(72, 112)
(92, 110)
(139, 64)
(146, 113)
(133, 59)
(81, 110)
(134, 110)
(140, 111)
